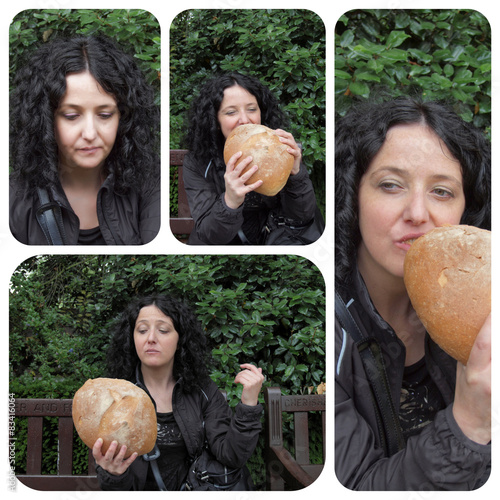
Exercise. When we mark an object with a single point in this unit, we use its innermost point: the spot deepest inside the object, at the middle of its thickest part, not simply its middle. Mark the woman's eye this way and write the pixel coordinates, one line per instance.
(389, 186)
(443, 193)
(72, 116)
(106, 116)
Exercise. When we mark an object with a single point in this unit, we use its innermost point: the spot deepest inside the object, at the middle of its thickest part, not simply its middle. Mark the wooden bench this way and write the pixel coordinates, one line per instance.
(182, 224)
(35, 410)
(283, 470)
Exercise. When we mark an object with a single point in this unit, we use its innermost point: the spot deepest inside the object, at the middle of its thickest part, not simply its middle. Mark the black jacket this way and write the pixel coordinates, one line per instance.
(128, 219)
(203, 413)
(441, 457)
(217, 224)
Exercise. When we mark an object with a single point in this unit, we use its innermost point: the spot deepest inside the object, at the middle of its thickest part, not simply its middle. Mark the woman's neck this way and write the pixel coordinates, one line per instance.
(83, 180)
(390, 298)
(160, 384)
(157, 378)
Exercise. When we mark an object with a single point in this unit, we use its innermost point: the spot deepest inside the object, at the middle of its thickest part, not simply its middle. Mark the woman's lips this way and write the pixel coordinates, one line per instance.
(89, 150)
(406, 241)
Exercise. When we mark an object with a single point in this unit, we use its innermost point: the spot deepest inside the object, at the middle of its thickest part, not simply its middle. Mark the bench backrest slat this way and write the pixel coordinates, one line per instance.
(183, 223)
(65, 465)
(34, 447)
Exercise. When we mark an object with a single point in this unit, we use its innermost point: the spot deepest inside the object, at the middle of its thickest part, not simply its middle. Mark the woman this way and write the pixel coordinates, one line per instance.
(402, 168)
(226, 210)
(83, 147)
(159, 345)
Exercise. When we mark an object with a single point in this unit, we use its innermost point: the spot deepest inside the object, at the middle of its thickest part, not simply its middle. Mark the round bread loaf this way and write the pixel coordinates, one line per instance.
(268, 152)
(447, 273)
(115, 410)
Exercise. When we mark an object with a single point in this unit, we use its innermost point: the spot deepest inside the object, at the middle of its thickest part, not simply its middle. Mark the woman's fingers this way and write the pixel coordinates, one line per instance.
(111, 461)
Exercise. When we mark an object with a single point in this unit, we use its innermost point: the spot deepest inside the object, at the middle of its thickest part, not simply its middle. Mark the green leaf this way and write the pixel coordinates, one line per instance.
(396, 38)
(359, 88)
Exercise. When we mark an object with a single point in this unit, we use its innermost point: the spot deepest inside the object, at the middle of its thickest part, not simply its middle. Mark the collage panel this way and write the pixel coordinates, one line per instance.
(413, 385)
(247, 126)
(84, 127)
(162, 362)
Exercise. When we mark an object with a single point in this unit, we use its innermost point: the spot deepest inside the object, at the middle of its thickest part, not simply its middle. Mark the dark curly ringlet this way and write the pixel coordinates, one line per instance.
(191, 358)
(204, 137)
(360, 135)
(38, 89)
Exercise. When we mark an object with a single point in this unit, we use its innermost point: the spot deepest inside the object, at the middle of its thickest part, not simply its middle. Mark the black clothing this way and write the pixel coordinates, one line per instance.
(420, 399)
(439, 457)
(91, 237)
(173, 462)
(217, 224)
(130, 219)
(201, 414)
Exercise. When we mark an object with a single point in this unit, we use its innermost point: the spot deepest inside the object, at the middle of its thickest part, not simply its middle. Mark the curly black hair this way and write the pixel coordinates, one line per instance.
(191, 361)
(358, 137)
(39, 86)
(204, 137)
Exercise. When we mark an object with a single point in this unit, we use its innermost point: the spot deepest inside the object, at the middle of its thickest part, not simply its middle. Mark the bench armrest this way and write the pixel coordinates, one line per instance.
(292, 472)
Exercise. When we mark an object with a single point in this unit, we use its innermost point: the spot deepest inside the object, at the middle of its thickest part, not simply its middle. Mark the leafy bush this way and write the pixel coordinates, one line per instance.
(136, 31)
(285, 49)
(438, 54)
(269, 310)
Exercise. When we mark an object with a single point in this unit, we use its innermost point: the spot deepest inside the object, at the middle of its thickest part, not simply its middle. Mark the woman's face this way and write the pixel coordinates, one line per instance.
(155, 338)
(86, 123)
(238, 107)
(412, 185)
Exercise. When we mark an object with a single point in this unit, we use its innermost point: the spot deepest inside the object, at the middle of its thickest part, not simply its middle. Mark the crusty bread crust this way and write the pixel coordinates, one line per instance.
(115, 410)
(269, 154)
(447, 273)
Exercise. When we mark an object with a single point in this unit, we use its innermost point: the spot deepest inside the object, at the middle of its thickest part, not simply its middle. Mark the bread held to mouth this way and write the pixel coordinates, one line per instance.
(268, 152)
(115, 410)
(447, 273)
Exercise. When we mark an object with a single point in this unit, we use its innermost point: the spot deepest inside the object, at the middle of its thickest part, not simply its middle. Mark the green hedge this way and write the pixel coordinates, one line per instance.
(269, 310)
(437, 54)
(136, 31)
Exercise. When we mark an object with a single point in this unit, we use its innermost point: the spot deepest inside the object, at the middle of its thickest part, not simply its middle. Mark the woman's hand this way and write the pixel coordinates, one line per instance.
(251, 379)
(115, 465)
(472, 405)
(236, 189)
(293, 149)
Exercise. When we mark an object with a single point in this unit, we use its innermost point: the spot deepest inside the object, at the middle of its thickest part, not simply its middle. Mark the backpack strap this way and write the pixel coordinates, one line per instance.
(47, 216)
(371, 355)
(151, 457)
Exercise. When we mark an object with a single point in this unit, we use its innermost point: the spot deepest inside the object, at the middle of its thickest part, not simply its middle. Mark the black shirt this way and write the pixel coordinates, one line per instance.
(420, 399)
(173, 460)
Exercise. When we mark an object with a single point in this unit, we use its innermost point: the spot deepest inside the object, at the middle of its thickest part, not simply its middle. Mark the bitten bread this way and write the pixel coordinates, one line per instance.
(115, 410)
(268, 152)
(447, 273)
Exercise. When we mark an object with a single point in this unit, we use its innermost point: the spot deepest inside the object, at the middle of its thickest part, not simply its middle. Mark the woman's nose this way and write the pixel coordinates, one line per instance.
(416, 210)
(243, 118)
(89, 131)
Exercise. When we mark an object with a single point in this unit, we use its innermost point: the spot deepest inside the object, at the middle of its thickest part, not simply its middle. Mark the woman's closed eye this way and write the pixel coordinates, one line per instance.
(106, 116)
